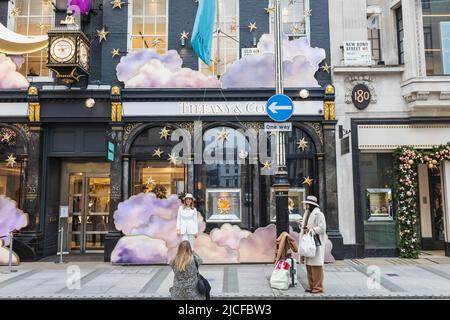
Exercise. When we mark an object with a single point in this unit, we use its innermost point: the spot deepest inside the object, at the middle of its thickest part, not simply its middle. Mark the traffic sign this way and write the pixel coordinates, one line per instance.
(280, 107)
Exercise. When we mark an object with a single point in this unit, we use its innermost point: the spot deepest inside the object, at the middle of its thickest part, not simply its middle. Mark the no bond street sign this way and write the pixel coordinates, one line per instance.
(280, 107)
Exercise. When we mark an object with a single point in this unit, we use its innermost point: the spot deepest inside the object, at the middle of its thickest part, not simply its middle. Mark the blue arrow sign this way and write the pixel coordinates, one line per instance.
(280, 107)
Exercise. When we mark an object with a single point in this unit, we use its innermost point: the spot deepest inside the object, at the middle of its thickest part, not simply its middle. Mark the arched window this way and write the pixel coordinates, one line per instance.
(226, 42)
(12, 155)
(223, 183)
(302, 173)
(151, 165)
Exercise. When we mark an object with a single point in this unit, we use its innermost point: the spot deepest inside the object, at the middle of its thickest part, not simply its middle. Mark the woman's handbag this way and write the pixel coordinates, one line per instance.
(317, 240)
(280, 276)
(307, 246)
(203, 285)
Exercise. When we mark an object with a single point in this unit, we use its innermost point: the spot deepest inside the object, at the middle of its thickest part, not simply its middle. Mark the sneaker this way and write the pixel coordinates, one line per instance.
(308, 290)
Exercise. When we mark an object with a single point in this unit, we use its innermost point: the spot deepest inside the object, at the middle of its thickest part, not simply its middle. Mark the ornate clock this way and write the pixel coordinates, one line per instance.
(68, 54)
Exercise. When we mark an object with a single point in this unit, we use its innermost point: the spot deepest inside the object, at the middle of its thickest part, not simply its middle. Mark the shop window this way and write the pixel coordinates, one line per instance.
(400, 35)
(295, 18)
(300, 162)
(226, 42)
(148, 25)
(32, 18)
(376, 199)
(223, 182)
(150, 168)
(436, 28)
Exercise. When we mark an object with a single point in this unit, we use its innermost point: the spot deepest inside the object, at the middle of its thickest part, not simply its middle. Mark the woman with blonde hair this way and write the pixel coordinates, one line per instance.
(187, 221)
(185, 267)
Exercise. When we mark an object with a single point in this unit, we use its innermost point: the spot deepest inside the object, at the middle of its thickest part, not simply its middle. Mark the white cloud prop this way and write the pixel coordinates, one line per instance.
(229, 235)
(300, 63)
(148, 69)
(11, 218)
(9, 77)
(259, 246)
(139, 250)
(211, 252)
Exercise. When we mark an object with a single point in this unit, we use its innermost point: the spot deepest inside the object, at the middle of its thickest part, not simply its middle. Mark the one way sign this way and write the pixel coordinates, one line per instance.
(280, 107)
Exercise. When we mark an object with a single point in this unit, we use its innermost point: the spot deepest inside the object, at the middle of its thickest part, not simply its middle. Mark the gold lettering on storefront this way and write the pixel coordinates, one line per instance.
(238, 108)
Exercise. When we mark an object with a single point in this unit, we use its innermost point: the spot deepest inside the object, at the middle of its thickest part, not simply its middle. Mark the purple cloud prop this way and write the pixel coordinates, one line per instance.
(212, 252)
(139, 250)
(11, 218)
(259, 246)
(300, 63)
(9, 77)
(148, 69)
(229, 235)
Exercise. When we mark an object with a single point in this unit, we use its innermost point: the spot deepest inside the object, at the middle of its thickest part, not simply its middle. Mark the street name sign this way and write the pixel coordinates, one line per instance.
(276, 126)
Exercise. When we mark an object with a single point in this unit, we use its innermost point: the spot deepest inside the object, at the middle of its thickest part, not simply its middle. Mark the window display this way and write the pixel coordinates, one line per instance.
(223, 205)
(295, 205)
(379, 204)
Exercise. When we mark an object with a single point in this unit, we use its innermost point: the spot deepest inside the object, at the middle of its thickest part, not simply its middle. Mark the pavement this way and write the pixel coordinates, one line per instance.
(388, 278)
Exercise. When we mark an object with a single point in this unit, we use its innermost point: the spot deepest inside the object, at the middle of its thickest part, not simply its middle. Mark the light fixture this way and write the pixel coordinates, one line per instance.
(254, 41)
(304, 94)
(89, 103)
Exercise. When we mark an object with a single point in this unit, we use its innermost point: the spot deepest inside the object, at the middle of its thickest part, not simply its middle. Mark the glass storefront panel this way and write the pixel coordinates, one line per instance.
(436, 29)
(10, 180)
(149, 173)
(376, 198)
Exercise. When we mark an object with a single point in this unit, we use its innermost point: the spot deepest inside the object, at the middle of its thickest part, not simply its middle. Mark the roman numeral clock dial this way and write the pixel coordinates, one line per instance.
(62, 50)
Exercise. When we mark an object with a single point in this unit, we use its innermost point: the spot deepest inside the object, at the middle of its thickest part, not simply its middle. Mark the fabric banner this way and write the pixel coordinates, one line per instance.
(202, 34)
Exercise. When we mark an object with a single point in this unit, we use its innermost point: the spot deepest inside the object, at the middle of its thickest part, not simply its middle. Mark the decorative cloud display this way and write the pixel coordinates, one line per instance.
(9, 77)
(300, 63)
(148, 69)
(4, 256)
(149, 225)
(11, 218)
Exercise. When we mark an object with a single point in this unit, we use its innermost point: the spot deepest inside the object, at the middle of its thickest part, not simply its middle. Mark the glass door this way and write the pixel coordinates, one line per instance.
(88, 211)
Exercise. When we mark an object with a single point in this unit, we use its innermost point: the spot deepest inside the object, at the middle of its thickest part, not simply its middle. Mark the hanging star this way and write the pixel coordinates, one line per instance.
(11, 161)
(117, 4)
(308, 181)
(158, 153)
(184, 35)
(156, 42)
(295, 28)
(150, 182)
(164, 133)
(267, 165)
(302, 144)
(15, 12)
(115, 52)
(102, 34)
(308, 12)
(223, 135)
(252, 26)
(41, 26)
(326, 67)
(270, 9)
(291, 2)
(173, 159)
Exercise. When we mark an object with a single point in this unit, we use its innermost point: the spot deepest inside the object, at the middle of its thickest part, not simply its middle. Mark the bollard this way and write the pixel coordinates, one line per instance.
(61, 244)
(11, 237)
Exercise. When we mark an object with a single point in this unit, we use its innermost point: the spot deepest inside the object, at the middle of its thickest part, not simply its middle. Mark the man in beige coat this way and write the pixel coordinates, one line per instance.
(314, 221)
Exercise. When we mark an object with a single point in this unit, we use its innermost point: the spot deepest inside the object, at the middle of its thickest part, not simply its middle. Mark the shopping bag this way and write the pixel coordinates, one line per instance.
(307, 245)
(280, 276)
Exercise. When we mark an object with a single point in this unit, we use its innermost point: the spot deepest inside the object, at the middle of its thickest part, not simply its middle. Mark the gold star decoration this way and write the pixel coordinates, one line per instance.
(295, 28)
(267, 165)
(173, 159)
(102, 34)
(11, 161)
(308, 12)
(164, 133)
(150, 182)
(115, 52)
(252, 26)
(184, 35)
(158, 153)
(302, 144)
(223, 135)
(270, 9)
(117, 4)
(15, 12)
(47, 2)
(156, 42)
(326, 68)
(308, 181)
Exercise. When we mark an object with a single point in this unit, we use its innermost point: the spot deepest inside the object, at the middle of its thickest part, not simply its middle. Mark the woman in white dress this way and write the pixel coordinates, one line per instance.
(187, 222)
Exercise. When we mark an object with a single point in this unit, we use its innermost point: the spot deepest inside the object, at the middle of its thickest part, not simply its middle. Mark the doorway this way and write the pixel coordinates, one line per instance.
(437, 209)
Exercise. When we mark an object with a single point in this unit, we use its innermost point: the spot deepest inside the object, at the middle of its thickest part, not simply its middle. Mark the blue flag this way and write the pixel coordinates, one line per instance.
(202, 34)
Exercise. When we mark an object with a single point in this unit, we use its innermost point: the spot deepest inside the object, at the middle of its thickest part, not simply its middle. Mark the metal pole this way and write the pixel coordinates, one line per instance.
(61, 243)
(218, 38)
(11, 240)
(281, 181)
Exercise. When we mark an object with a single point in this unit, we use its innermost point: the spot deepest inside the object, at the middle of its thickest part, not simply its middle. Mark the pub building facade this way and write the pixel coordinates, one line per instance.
(94, 143)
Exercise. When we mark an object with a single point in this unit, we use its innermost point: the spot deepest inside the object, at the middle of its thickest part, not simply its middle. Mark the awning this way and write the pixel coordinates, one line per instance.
(16, 44)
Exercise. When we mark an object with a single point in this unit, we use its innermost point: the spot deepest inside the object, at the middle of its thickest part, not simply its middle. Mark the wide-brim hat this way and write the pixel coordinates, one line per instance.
(188, 196)
(311, 200)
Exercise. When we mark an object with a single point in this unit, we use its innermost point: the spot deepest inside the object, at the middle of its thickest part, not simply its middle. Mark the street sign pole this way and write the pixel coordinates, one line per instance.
(281, 181)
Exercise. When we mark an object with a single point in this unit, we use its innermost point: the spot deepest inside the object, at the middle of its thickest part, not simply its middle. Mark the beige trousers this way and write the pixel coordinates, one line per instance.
(315, 278)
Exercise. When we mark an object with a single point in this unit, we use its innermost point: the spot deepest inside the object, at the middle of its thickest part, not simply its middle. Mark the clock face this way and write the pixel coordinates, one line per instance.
(83, 55)
(62, 49)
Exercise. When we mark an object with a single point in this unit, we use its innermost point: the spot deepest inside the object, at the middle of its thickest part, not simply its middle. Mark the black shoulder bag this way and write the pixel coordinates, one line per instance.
(203, 285)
